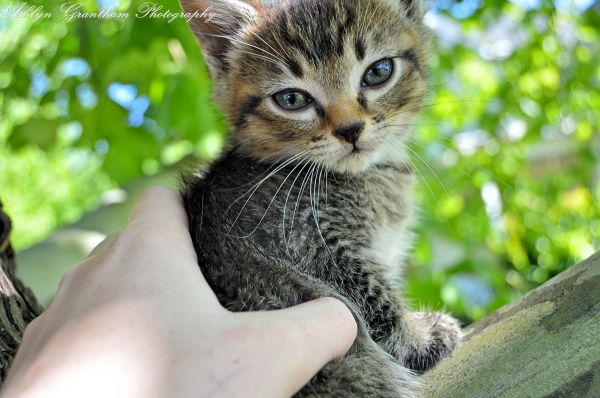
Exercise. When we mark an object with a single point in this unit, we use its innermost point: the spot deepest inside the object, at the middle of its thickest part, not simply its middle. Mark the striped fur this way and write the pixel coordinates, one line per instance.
(294, 210)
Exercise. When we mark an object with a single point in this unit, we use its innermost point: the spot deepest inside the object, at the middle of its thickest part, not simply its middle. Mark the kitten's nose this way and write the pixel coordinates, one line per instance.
(350, 133)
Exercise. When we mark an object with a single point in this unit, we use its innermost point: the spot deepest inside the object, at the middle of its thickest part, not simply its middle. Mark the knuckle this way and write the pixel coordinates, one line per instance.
(68, 278)
(341, 314)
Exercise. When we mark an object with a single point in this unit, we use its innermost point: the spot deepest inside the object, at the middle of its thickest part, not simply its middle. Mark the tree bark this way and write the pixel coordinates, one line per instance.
(19, 306)
(546, 344)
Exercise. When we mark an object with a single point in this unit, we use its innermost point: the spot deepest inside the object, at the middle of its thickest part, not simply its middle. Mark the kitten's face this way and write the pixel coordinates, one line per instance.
(337, 82)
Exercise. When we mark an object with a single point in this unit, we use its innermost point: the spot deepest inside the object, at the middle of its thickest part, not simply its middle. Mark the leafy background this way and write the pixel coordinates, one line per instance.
(508, 149)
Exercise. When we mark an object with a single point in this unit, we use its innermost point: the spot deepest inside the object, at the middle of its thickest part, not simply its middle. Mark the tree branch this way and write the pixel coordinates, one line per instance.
(546, 344)
(18, 307)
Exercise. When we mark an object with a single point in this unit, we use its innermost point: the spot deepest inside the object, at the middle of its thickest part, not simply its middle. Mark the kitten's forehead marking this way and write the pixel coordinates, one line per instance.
(312, 36)
(360, 48)
(317, 30)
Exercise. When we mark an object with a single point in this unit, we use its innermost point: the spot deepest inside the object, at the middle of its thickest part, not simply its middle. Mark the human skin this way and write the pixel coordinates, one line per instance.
(137, 319)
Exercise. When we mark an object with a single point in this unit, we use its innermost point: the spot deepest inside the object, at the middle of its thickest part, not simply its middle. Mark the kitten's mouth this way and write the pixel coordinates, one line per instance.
(357, 150)
(355, 158)
(354, 154)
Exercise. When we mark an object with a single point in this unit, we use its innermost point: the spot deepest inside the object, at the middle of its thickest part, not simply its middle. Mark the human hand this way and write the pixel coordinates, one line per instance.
(137, 319)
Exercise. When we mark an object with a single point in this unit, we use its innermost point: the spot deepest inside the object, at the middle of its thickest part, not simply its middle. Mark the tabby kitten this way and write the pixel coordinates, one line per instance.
(313, 198)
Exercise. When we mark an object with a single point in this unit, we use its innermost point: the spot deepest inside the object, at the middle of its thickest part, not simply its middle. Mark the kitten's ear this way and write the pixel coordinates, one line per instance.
(217, 24)
(414, 9)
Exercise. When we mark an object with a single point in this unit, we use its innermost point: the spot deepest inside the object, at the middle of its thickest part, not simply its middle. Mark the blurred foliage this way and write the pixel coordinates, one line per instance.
(507, 149)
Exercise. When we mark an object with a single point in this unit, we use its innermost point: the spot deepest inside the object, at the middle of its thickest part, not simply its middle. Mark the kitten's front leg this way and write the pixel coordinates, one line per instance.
(418, 340)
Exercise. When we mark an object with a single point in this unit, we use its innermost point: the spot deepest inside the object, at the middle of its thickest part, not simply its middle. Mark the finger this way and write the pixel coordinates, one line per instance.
(162, 200)
(159, 232)
(160, 215)
(324, 329)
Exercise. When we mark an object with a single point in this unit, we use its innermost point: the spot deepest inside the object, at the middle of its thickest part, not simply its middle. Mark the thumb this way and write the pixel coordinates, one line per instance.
(315, 333)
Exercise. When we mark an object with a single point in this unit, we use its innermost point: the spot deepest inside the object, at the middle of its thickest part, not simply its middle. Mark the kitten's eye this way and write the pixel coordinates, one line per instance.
(378, 73)
(292, 100)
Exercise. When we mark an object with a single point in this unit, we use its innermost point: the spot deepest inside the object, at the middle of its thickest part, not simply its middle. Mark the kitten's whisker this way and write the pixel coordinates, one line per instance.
(415, 153)
(442, 83)
(274, 62)
(250, 183)
(460, 169)
(276, 53)
(318, 190)
(285, 164)
(272, 201)
(314, 204)
(415, 124)
(306, 162)
(326, 188)
(269, 56)
(421, 107)
(451, 140)
(360, 27)
(470, 160)
(418, 171)
(233, 39)
(252, 188)
(373, 13)
(301, 193)
(311, 194)
(429, 167)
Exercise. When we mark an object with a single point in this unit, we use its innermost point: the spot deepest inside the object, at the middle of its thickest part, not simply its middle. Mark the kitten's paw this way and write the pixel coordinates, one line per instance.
(446, 333)
(442, 334)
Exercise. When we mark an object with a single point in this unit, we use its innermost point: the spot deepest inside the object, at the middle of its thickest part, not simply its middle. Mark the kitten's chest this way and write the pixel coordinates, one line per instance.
(389, 247)
(390, 237)
(373, 216)
(366, 218)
